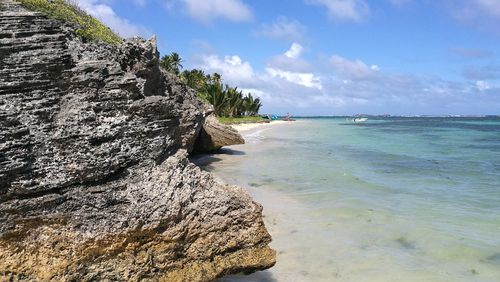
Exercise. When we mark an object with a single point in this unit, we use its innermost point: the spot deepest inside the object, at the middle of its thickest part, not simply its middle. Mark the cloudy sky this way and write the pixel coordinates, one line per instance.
(332, 57)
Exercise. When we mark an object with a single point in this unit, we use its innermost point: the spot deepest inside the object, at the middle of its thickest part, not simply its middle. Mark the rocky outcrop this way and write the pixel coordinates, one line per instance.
(214, 135)
(95, 183)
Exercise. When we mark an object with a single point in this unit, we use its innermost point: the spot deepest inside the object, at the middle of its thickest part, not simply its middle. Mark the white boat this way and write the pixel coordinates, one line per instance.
(360, 120)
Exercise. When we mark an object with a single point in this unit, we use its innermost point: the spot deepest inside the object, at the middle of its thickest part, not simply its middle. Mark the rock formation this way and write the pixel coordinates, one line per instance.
(95, 182)
(214, 135)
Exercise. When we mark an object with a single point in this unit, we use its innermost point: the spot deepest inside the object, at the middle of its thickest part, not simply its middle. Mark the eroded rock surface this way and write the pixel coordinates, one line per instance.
(214, 135)
(95, 182)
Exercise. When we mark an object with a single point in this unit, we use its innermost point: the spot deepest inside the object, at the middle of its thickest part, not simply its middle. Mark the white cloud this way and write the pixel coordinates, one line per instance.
(206, 11)
(283, 29)
(305, 79)
(238, 72)
(291, 64)
(104, 12)
(294, 51)
(232, 68)
(345, 10)
(330, 100)
(281, 89)
(256, 92)
(353, 87)
(482, 85)
(355, 70)
(287, 65)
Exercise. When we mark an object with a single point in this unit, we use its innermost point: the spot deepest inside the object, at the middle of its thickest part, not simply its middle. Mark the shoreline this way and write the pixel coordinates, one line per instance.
(245, 127)
(281, 213)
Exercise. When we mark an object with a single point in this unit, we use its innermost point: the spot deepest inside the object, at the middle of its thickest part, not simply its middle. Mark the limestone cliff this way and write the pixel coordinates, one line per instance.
(95, 182)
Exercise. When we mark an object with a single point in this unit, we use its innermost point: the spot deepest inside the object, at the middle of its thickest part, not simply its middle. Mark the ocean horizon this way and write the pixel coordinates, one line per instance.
(391, 199)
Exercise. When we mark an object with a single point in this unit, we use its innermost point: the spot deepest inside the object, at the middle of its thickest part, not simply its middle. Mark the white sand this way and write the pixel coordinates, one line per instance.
(248, 126)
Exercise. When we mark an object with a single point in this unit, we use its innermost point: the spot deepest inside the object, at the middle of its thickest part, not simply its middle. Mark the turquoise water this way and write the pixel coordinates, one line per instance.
(395, 199)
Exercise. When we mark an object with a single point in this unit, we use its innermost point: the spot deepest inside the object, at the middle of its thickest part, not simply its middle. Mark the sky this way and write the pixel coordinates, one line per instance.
(331, 57)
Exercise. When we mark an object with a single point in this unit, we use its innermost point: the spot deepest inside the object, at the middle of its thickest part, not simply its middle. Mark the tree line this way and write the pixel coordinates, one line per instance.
(227, 101)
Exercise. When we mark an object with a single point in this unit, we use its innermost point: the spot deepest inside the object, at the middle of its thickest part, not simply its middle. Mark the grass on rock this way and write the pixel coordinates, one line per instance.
(236, 120)
(89, 29)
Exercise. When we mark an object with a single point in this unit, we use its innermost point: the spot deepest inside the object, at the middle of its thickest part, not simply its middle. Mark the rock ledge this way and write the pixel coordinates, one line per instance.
(214, 135)
(95, 181)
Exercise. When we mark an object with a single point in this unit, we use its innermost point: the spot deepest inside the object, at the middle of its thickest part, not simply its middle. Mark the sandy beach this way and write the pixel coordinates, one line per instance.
(245, 127)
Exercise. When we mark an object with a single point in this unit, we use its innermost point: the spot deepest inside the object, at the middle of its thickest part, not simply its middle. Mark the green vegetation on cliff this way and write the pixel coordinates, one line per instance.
(238, 120)
(90, 28)
(227, 101)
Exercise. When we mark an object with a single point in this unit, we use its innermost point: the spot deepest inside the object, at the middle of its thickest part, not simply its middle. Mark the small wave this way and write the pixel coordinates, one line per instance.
(256, 135)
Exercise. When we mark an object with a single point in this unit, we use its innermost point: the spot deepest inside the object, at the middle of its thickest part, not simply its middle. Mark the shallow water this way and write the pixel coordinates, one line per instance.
(395, 199)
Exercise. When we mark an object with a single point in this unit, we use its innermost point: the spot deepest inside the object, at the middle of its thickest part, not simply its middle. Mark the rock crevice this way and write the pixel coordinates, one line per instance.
(95, 182)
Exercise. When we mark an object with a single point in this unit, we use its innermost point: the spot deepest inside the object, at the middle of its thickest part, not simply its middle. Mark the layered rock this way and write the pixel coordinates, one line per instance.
(95, 182)
(214, 135)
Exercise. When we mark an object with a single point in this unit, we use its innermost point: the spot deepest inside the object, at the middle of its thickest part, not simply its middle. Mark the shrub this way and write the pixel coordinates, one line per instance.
(89, 28)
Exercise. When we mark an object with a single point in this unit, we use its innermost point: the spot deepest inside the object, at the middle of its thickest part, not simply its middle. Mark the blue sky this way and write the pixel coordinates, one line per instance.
(332, 57)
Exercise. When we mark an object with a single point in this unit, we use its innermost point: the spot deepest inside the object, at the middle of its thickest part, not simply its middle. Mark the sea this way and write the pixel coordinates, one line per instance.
(390, 199)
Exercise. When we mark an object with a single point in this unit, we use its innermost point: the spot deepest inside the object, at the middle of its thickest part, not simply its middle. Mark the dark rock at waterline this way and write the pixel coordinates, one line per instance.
(95, 183)
(214, 135)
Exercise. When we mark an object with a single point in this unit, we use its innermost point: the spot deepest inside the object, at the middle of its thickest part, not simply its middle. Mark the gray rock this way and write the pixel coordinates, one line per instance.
(214, 135)
(95, 182)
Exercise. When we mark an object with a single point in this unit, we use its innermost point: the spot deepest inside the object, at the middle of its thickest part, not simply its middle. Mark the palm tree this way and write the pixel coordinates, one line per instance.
(214, 78)
(226, 100)
(251, 106)
(215, 95)
(247, 104)
(256, 106)
(176, 61)
(171, 63)
(234, 102)
(194, 78)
